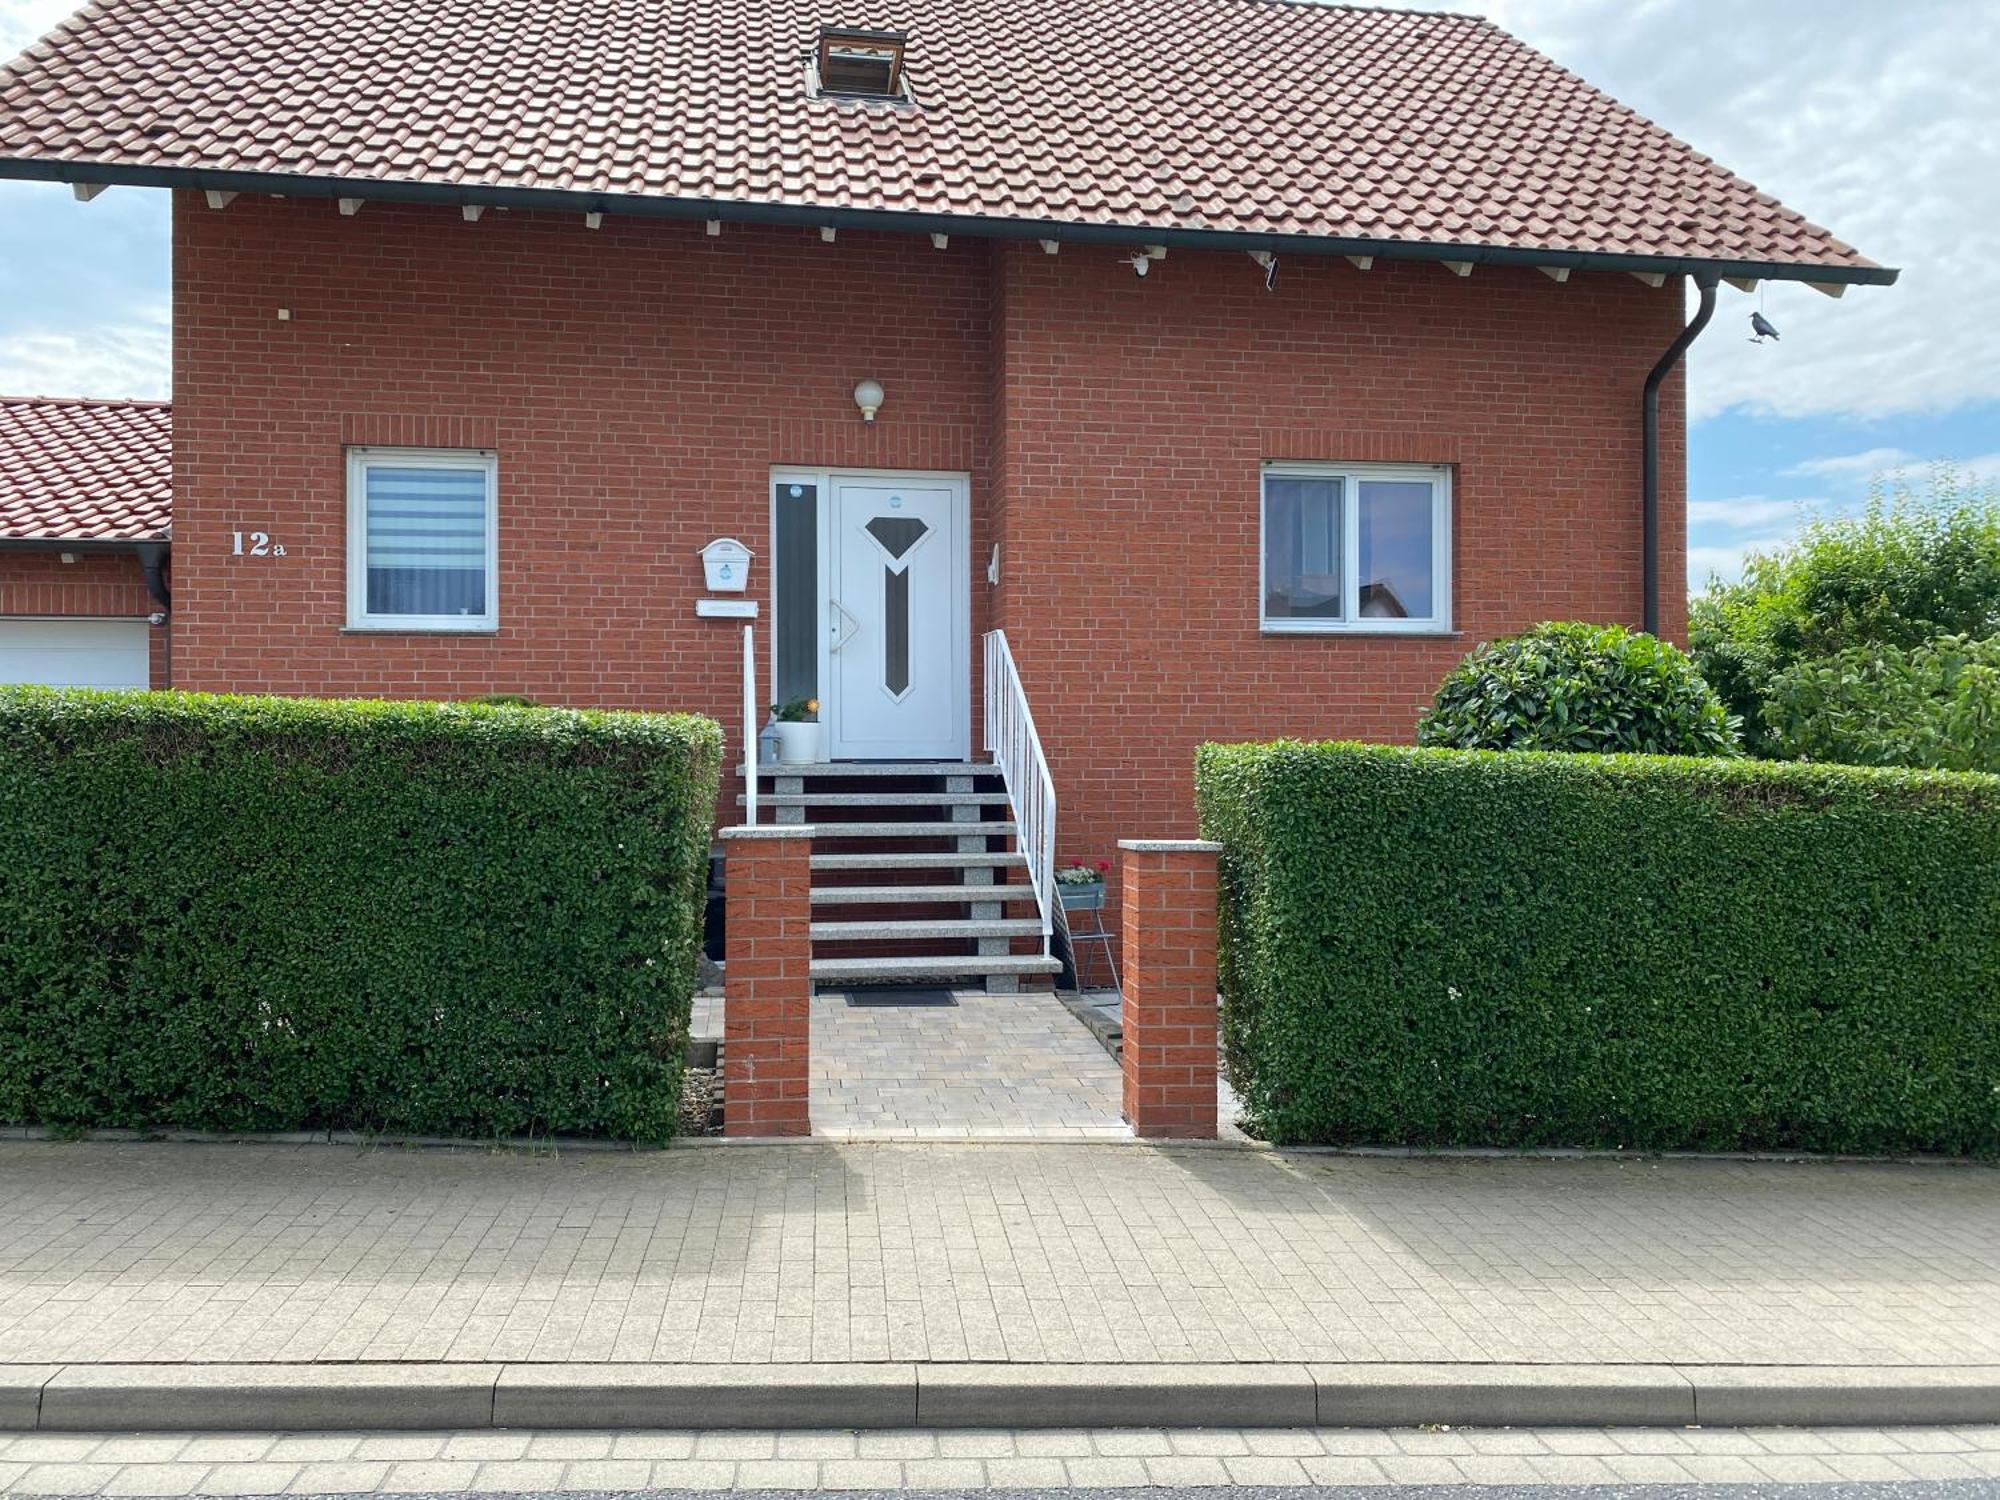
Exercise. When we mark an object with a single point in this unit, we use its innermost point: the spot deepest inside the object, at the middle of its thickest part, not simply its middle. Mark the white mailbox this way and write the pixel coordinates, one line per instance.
(727, 563)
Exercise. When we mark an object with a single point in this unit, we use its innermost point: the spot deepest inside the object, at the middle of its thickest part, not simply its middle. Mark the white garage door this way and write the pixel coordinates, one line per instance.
(74, 653)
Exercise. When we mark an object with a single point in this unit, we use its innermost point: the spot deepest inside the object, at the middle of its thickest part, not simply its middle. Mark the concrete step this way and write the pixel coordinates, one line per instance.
(921, 966)
(905, 860)
(873, 932)
(832, 830)
(916, 895)
(881, 768)
(879, 799)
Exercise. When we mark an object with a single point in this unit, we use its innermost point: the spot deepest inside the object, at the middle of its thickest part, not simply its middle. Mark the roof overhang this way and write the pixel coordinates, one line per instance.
(95, 544)
(379, 190)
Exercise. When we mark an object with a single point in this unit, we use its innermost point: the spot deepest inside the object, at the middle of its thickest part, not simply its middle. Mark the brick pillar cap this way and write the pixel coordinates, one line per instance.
(1170, 846)
(770, 831)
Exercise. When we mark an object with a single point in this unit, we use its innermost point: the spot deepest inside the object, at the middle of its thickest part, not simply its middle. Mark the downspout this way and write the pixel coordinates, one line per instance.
(1650, 457)
(152, 559)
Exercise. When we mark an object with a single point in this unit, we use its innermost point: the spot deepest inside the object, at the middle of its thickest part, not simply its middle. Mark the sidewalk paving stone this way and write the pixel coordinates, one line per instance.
(967, 1253)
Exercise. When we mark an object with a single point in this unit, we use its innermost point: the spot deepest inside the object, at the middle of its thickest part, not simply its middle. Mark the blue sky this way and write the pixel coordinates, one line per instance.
(1870, 118)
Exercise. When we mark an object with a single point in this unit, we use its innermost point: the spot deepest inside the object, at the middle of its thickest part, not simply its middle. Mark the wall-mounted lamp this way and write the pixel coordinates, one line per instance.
(869, 397)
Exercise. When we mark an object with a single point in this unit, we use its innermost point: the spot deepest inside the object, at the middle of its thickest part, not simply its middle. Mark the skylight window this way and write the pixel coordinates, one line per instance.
(857, 64)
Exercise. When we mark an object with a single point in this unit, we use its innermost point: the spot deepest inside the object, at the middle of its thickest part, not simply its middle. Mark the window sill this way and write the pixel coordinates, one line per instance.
(420, 630)
(1373, 633)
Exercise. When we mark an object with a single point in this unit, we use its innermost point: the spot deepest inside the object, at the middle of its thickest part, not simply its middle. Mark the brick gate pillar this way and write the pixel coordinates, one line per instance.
(1170, 1011)
(767, 983)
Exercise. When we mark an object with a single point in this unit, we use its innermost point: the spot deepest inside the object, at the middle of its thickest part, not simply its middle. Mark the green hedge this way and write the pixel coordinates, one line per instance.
(1439, 947)
(255, 914)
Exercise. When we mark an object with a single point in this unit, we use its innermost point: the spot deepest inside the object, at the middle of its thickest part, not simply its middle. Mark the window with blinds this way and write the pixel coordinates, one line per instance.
(421, 539)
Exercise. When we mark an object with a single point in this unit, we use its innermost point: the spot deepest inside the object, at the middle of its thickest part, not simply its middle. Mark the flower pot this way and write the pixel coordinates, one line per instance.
(798, 743)
(1080, 896)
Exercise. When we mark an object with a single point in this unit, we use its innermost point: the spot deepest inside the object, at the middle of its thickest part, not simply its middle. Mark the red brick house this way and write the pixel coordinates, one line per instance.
(85, 490)
(1240, 363)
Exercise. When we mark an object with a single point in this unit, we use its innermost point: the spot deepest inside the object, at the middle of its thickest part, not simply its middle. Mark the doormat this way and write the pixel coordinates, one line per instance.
(899, 995)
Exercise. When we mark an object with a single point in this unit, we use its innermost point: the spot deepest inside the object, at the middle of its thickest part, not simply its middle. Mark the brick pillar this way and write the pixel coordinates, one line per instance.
(1169, 1014)
(767, 985)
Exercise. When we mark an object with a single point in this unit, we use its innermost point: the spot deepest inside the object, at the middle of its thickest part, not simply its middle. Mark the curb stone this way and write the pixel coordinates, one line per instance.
(21, 1395)
(666, 1395)
(1280, 1395)
(293, 1398)
(346, 1397)
(1819, 1396)
(1504, 1395)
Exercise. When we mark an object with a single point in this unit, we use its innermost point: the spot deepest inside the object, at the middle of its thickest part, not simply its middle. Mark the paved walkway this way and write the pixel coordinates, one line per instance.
(489, 1462)
(983, 1066)
(1045, 1252)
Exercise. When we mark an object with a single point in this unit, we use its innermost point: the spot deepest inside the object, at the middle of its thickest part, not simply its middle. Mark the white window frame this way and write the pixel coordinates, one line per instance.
(358, 460)
(1354, 475)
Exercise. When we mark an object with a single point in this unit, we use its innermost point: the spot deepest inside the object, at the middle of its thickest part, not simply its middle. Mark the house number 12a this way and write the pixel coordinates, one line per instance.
(259, 545)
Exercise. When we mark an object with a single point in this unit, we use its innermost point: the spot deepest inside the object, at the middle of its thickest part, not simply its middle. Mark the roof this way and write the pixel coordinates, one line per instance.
(1184, 121)
(85, 471)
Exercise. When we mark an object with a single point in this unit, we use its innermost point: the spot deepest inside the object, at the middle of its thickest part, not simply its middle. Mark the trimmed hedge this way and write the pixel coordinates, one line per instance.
(1469, 948)
(266, 914)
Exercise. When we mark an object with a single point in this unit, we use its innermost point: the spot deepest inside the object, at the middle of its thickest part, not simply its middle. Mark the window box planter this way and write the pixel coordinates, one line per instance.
(1080, 895)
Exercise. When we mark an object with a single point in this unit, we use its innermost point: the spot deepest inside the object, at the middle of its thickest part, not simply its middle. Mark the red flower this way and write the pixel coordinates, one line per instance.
(1104, 867)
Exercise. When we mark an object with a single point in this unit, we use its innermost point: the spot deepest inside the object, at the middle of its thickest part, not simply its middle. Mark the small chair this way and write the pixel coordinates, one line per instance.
(1086, 901)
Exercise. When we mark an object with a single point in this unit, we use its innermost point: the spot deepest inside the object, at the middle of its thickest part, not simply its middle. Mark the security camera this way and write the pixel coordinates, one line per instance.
(157, 617)
(1139, 263)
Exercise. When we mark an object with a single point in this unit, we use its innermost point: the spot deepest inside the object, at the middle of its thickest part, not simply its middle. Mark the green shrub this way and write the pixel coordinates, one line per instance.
(1458, 948)
(1571, 686)
(269, 914)
(1907, 570)
(1935, 706)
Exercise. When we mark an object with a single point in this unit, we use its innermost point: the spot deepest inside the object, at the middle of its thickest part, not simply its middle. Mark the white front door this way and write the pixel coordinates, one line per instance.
(899, 636)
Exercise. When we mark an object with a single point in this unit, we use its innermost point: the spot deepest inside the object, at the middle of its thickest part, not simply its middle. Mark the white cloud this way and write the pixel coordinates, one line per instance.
(1985, 469)
(27, 21)
(83, 297)
(1745, 511)
(129, 358)
(22, 22)
(1725, 560)
(1867, 118)
(1855, 466)
(1854, 470)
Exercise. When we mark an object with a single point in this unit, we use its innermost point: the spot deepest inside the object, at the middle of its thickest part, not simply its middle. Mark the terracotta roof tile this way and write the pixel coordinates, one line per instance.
(1248, 116)
(97, 471)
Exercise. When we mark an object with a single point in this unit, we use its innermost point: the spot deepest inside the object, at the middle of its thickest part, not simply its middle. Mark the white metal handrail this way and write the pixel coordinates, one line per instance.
(749, 726)
(1017, 751)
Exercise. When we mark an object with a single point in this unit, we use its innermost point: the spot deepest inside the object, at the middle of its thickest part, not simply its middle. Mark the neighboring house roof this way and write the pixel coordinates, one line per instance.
(1184, 121)
(85, 471)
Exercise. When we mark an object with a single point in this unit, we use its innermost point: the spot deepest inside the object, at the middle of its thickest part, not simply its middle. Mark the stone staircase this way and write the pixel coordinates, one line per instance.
(915, 878)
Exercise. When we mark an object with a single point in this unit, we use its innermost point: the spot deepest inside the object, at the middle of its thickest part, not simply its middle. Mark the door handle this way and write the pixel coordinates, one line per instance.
(843, 626)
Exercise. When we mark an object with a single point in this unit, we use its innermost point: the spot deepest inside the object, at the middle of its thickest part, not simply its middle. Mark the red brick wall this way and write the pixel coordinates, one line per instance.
(101, 584)
(639, 381)
(1137, 417)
